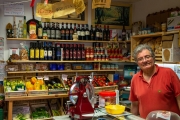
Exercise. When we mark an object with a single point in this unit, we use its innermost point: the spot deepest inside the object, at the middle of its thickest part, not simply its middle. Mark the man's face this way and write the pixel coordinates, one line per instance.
(145, 60)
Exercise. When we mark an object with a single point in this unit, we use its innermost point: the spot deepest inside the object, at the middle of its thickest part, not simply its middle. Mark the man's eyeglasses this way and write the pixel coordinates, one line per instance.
(147, 57)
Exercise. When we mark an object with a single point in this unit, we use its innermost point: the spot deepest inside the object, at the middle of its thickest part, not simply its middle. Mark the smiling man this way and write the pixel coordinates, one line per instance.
(153, 87)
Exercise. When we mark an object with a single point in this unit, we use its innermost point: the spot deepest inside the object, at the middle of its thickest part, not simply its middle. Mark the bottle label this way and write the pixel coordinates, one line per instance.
(87, 33)
(45, 53)
(58, 53)
(67, 54)
(37, 54)
(44, 31)
(79, 54)
(100, 34)
(41, 53)
(62, 32)
(48, 33)
(83, 54)
(79, 33)
(32, 53)
(97, 34)
(71, 54)
(82, 33)
(49, 53)
(24, 33)
(74, 54)
(57, 34)
(39, 32)
(52, 33)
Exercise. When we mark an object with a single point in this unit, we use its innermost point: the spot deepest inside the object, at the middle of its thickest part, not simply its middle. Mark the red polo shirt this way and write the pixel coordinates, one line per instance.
(159, 94)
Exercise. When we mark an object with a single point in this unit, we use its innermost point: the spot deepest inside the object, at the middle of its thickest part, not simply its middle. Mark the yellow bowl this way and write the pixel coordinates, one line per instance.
(115, 109)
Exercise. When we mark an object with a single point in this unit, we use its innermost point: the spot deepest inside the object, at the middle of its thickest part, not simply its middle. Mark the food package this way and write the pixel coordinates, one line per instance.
(41, 66)
(27, 67)
(11, 68)
(24, 54)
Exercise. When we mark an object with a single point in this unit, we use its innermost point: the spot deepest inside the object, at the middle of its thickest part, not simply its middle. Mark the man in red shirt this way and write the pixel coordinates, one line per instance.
(153, 87)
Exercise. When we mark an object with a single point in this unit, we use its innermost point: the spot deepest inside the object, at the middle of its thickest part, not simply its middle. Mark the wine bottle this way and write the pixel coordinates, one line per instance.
(62, 32)
(40, 31)
(108, 34)
(92, 34)
(45, 51)
(37, 51)
(48, 30)
(41, 52)
(87, 33)
(100, 33)
(82, 32)
(104, 34)
(71, 32)
(123, 33)
(31, 51)
(79, 32)
(96, 32)
(24, 28)
(53, 31)
(57, 31)
(67, 32)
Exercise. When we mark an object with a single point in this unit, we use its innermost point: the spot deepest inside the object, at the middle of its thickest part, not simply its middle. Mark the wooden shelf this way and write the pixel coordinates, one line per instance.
(35, 97)
(63, 71)
(170, 32)
(55, 40)
(58, 61)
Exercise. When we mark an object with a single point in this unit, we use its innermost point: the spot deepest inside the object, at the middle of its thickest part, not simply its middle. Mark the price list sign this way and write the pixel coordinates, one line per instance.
(11, 8)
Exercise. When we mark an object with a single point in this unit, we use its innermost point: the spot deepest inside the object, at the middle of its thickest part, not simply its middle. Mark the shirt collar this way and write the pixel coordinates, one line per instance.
(157, 69)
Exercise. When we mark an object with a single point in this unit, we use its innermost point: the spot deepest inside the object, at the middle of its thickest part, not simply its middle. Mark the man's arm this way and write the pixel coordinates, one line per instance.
(178, 101)
(135, 107)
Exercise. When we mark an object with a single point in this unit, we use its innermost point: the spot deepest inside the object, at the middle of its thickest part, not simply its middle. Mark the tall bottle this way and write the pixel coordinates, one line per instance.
(37, 51)
(82, 32)
(53, 31)
(14, 28)
(48, 30)
(74, 52)
(123, 33)
(67, 32)
(31, 51)
(104, 34)
(92, 34)
(20, 29)
(41, 52)
(49, 51)
(100, 33)
(40, 31)
(83, 53)
(79, 52)
(71, 52)
(57, 33)
(24, 28)
(45, 51)
(71, 32)
(67, 52)
(108, 34)
(79, 32)
(96, 32)
(62, 32)
(75, 30)
(45, 28)
(58, 52)
(87, 33)
(53, 51)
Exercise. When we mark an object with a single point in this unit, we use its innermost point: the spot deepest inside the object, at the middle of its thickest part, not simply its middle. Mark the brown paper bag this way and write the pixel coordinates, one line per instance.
(44, 11)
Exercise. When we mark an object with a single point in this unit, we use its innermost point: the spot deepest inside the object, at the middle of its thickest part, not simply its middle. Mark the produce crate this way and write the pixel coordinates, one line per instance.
(61, 90)
(22, 111)
(44, 107)
(105, 88)
(35, 92)
(11, 93)
(56, 108)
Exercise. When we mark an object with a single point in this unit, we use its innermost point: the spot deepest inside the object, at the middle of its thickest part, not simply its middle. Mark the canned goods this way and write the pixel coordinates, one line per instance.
(103, 67)
(108, 67)
(112, 67)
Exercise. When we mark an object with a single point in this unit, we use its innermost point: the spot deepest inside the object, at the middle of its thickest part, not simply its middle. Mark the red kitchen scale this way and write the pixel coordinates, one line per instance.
(81, 94)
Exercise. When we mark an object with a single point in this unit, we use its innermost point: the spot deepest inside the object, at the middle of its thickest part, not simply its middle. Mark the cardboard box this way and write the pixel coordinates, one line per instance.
(170, 49)
(173, 23)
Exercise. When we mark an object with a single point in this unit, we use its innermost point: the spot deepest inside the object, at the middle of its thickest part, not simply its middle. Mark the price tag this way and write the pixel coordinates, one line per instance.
(46, 77)
(39, 77)
(64, 77)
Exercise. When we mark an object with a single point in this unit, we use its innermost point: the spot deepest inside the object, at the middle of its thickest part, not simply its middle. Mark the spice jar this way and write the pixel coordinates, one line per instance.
(107, 98)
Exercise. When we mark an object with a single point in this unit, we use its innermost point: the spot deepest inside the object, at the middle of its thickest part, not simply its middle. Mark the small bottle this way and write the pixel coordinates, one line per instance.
(31, 51)
(24, 28)
(37, 51)
(41, 52)
(40, 31)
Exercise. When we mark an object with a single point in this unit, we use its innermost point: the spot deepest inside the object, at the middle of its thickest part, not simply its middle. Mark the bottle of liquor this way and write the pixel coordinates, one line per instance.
(96, 32)
(53, 31)
(49, 51)
(79, 32)
(82, 32)
(74, 52)
(20, 29)
(71, 32)
(58, 51)
(62, 32)
(41, 53)
(123, 33)
(45, 28)
(108, 34)
(45, 51)
(14, 29)
(40, 31)
(100, 33)
(79, 52)
(53, 51)
(92, 34)
(104, 34)
(67, 32)
(31, 51)
(64, 51)
(67, 52)
(48, 30)
(24, 28)
(87, 33)
(75, 30)
(57, 33)
(83, 53)
(71, 52)
(37, 51)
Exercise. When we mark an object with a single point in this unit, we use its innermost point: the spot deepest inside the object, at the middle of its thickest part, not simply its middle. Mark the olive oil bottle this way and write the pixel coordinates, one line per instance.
(31, 51)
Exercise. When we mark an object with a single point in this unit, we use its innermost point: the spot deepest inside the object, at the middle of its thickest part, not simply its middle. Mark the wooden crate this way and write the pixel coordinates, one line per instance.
(14, 93)
(105, 88)
(35, 92)
(55, 105)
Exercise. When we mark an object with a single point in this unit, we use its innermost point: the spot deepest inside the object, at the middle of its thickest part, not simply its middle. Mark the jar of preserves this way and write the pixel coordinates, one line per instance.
(107, 98)
(107, 57)
(103, 57)
(95, 57)
(99, 58)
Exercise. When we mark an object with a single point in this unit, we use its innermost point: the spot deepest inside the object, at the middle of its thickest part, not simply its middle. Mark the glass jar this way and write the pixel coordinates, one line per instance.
(95, 57)
(107, 98)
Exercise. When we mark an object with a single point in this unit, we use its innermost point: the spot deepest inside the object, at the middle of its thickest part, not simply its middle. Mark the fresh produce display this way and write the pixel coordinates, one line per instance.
(35, 84)
(21, 116)
(54, 83)
(14, 85)
(100, 81)
(56, 113)
(40, 113)
(68, 83)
